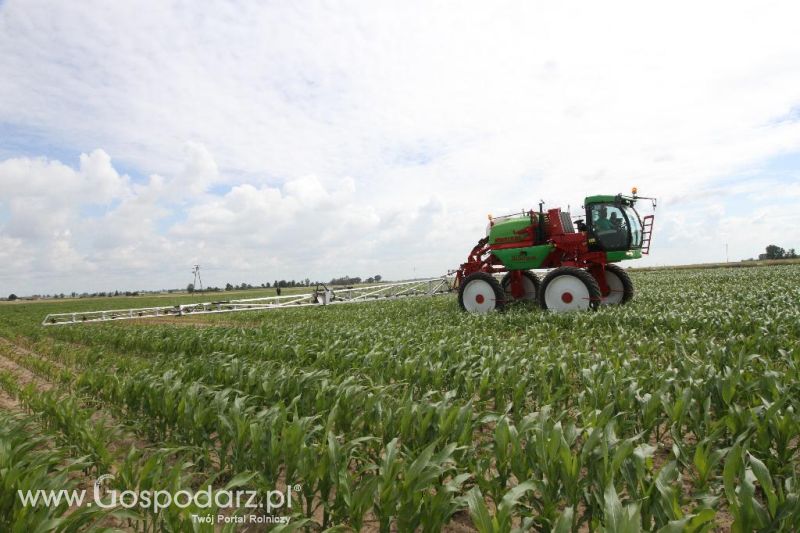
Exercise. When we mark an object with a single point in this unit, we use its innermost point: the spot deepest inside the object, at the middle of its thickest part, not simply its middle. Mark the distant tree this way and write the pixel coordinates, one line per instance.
(369, 280)
(378, 278)
(307, 281)
(775, 252)
(190, 288)
(791, 254)
(228, 287)
(12, 297)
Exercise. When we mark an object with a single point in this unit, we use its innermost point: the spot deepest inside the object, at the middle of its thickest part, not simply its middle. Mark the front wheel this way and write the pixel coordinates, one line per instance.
(619, 284)
(480, 293)
(569, 289)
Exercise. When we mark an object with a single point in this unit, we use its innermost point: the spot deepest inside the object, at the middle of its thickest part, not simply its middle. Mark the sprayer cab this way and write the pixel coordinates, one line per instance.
(612, 224)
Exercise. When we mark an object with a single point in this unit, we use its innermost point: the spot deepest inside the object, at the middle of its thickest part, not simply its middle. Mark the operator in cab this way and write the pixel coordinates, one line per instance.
(603, 223)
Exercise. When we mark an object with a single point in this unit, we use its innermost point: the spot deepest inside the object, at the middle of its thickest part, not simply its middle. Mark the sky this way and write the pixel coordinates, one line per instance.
(286, 140)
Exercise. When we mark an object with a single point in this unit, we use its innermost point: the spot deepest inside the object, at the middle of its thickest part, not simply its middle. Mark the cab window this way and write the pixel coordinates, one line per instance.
(610, 226)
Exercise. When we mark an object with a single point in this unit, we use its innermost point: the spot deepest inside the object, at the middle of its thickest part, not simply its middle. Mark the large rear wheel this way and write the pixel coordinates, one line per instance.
(480, 293)
(569, 289)
(530, 286)
(620, 285)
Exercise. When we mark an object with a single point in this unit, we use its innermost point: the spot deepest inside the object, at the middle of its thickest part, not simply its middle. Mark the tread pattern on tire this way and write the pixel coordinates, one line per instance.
(627, 283)
(499, 295)
(595, 295)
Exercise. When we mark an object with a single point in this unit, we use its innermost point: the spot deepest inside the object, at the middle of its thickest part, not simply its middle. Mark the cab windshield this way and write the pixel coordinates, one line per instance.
(635, 225)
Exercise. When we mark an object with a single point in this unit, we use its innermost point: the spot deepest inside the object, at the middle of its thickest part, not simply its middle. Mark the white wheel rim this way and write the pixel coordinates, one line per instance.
(478, 297)
(617, 289)
(527, 285)
(566, 293)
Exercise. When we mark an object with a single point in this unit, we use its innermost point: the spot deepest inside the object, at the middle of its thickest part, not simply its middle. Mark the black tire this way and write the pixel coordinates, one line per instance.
(506, 286)
(627, 283)
(499, 296)
(588, 281)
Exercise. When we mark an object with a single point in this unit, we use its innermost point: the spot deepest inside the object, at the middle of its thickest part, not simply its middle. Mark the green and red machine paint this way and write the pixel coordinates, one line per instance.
(582, 253)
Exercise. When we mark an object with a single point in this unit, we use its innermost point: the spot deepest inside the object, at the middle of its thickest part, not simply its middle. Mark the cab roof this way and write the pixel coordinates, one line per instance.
(607, 198)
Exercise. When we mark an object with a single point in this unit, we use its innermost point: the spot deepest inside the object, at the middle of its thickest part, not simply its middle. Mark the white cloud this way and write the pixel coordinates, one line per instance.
(287, 140)
(199, 173)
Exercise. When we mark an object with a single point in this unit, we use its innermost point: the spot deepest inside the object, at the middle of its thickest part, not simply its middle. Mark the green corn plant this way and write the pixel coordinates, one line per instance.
(9, 383)
(354, 482)
(387, 489)
(699, 522)
(423, 499)
(706, 460)
(541, 450)
(75, 425)
(739, 481)
(339, 470)
(502, 520)
(775, 508)
(604, 455)
(171, 470)
(618, 518)
(27, 463)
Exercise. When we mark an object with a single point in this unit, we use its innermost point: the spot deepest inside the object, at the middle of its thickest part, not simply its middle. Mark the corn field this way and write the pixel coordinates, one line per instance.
(678, 412)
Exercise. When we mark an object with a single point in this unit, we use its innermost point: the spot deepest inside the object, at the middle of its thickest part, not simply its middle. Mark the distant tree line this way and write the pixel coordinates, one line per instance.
(347, 280)
(283, 283)
(776, 252)
(190, 288)
(60, 296)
